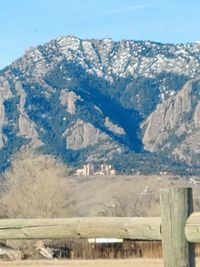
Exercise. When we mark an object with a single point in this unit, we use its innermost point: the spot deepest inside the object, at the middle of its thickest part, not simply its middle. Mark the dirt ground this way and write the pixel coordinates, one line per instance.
(145, 262)
(87, 263)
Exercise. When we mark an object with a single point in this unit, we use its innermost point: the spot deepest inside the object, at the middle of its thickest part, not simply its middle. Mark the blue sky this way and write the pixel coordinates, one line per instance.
(26, 23)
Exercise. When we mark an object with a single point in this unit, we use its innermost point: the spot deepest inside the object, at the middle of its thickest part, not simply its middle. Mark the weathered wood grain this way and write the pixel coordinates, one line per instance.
(192, 229)
(176, 206)
(126, 228)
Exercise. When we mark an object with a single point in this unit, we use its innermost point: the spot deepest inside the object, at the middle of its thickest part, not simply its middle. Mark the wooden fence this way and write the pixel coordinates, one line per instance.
(178, 228)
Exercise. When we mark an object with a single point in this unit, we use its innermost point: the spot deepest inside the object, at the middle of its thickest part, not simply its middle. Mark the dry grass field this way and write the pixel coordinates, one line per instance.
(89, 263)
(91, 192)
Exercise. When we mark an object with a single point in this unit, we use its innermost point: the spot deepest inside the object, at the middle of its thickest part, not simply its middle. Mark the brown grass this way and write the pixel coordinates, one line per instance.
(88, 263)
(93, 192)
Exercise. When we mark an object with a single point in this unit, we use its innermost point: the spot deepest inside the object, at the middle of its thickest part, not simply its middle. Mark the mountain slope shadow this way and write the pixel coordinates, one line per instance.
(96, 90)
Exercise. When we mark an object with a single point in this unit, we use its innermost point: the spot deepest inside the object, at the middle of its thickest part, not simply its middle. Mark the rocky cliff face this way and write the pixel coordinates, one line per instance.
(99, 100)
(174, 125)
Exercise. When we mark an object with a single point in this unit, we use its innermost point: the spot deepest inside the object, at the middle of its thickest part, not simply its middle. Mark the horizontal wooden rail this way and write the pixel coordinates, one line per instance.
(192, 228)
(178, 227)
(127, 228)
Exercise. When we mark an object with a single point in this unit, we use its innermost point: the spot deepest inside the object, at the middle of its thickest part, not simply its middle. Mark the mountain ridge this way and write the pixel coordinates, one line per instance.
(88, 100)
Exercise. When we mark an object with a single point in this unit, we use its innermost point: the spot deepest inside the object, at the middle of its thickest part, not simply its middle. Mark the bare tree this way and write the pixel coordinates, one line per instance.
(36, 187)
(138, 204)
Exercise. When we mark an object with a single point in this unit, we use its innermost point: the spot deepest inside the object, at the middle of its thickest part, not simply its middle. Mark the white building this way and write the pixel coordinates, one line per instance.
(88, 169)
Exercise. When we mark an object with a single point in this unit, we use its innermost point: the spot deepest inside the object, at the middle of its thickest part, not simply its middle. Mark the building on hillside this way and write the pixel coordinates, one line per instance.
(88, 169)
(107, 169)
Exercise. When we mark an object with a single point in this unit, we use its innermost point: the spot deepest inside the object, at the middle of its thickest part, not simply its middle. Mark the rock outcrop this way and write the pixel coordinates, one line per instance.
(113, 127)
(68, 99)
(83, 134)
(100, 100)
(175, 124)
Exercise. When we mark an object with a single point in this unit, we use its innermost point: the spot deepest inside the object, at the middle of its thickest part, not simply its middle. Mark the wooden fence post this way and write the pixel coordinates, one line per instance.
(176, 206)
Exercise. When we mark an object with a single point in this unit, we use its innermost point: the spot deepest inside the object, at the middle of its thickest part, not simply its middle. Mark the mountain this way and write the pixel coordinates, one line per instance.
(175, 125)
(134, 104)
